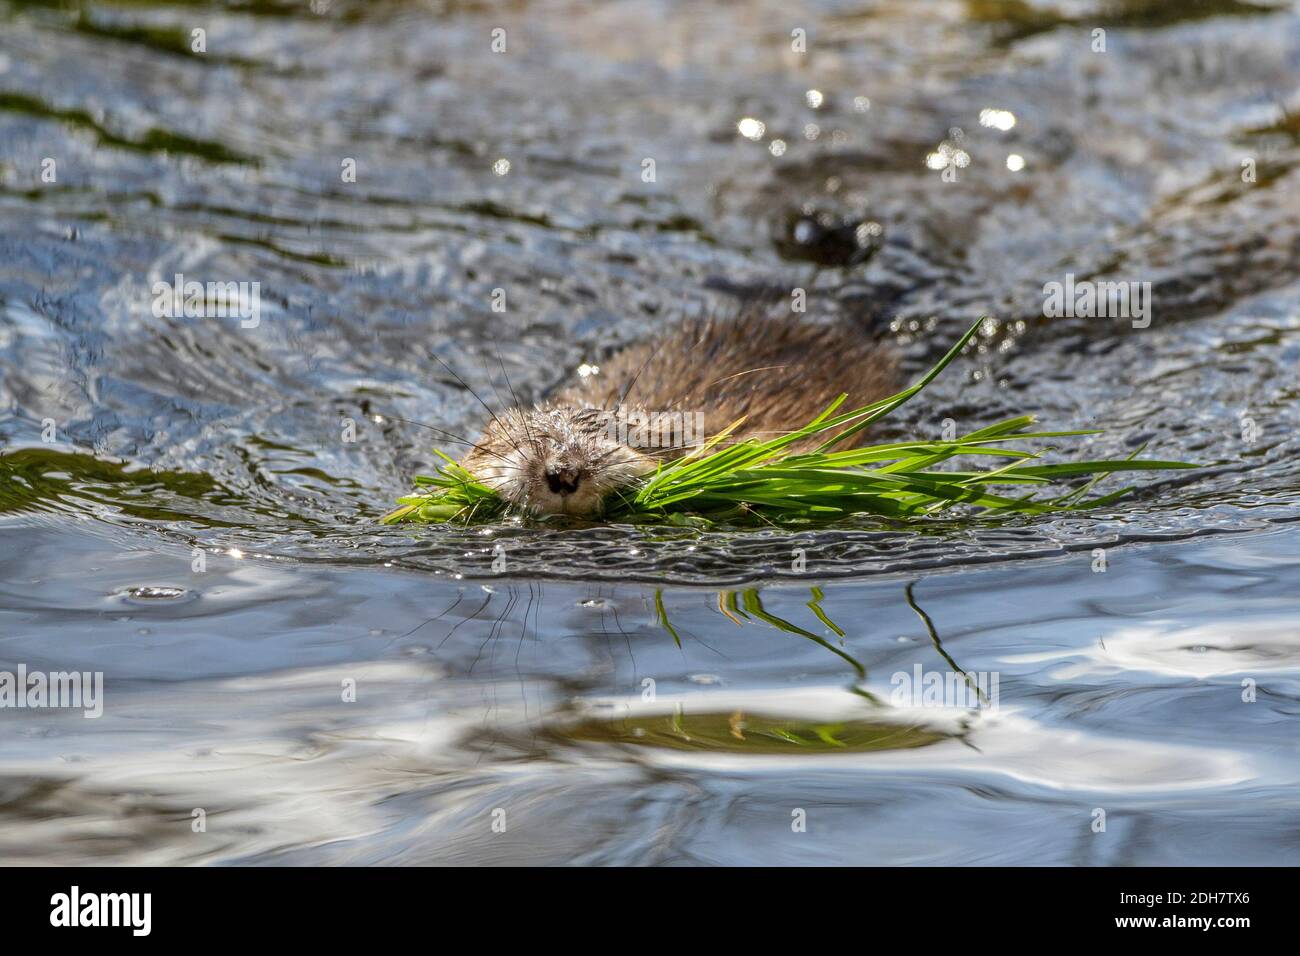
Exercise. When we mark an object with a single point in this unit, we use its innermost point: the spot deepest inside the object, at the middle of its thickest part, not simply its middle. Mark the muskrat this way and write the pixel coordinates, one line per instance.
(567, 454)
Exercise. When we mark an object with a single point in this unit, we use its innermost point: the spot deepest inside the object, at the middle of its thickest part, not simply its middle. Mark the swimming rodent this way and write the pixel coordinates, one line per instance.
(567, 454)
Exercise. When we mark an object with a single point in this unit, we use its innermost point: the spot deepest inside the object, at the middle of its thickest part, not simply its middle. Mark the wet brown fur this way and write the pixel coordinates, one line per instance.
(776, 371)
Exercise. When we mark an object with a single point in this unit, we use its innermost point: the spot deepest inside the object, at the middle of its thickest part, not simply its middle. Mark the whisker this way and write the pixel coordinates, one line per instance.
(510, 385)
(632, 384)
(433, 428)
(450, 435)
(466, 386)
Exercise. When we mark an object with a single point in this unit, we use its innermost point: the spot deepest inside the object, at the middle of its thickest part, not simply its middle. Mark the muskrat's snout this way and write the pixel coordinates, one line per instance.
(567, 481)
(565, 486)
(556, 460)
(562, 481)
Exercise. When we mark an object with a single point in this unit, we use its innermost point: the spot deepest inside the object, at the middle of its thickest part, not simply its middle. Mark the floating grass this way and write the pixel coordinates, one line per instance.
(753, 481)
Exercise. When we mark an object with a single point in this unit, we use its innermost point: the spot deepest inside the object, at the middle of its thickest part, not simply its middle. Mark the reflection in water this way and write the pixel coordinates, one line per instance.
(742, 731)
(367, 721)
(1256, 646)
(752, 605)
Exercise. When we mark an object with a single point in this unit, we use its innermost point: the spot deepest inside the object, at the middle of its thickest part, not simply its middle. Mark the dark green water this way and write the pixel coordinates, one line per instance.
(634, 695)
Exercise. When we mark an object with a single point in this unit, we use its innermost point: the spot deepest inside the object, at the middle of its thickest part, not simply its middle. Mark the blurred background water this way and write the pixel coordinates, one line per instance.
(638, 695)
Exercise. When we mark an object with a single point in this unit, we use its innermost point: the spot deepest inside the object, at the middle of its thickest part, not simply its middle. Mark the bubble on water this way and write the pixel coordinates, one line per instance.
(751, 128)
(154, 592)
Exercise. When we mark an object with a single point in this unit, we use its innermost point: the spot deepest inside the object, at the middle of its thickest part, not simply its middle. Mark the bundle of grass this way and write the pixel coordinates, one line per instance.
(763, 482)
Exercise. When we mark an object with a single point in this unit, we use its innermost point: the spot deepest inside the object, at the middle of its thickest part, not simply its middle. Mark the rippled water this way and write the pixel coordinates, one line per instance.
(199, 529)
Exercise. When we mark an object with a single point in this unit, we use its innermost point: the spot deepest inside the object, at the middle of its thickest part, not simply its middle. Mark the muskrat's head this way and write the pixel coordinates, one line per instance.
(556, 459)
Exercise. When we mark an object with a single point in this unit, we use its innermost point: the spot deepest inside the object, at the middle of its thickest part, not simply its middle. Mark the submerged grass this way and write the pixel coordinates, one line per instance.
(765, 482)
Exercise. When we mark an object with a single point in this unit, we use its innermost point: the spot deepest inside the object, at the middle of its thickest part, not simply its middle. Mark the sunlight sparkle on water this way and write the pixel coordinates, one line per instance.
(997, 119)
